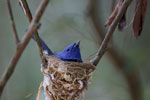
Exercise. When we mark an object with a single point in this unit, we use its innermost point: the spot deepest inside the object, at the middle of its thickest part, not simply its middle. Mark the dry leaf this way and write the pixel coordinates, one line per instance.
(114, 13)
(66, 85)
(138, 21)
(122, 23)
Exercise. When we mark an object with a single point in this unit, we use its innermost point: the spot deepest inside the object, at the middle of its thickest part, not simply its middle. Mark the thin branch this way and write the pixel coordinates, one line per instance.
(109, 33)
(113, 54)
(39, 91)
(12, 22)
(27, 12)
(25, 40)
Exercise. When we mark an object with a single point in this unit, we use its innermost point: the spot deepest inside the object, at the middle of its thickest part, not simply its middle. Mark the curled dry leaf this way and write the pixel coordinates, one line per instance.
(122, 22)
(138, 21)
(114, 13)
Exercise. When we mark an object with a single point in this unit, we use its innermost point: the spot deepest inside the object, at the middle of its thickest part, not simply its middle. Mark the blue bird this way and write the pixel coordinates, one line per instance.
(70, 53)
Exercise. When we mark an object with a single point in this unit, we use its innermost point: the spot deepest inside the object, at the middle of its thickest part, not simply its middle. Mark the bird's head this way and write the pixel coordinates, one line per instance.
(70, 53)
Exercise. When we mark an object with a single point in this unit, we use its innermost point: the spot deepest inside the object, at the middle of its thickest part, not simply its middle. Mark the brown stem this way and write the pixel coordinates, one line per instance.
(109, 33)
(39, 91)
(27, 12)
(12, 22)
(113, 54)
(25, 40)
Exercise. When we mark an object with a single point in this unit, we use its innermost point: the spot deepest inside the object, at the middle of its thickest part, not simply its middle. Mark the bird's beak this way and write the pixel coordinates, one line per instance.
(78, 43)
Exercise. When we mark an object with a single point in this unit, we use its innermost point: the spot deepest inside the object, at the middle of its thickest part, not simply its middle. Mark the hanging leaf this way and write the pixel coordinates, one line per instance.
(138, 20)
(114, 13)
(122, 23)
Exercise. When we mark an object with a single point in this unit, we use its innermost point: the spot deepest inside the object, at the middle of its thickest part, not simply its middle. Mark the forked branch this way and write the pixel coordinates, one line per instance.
(22, 45)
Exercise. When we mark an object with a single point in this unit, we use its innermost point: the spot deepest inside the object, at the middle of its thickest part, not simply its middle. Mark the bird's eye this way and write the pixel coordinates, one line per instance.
(68, 49)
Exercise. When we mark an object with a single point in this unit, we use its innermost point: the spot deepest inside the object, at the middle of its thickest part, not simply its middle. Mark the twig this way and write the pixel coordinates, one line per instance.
(25, 40)
(27, 12)
(12, 22)
(109, 33)
(39, 91)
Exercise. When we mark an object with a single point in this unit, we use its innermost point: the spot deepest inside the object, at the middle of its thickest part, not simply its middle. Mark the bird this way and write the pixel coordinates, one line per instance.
(70, 53)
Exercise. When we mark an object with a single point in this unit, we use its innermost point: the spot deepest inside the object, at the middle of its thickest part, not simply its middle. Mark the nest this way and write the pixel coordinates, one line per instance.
(65, 80)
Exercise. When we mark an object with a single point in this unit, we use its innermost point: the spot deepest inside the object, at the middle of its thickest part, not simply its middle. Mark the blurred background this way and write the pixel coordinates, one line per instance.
(122, 74)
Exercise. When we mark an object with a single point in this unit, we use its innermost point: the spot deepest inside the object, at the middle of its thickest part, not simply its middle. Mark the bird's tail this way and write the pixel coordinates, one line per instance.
(46, 50)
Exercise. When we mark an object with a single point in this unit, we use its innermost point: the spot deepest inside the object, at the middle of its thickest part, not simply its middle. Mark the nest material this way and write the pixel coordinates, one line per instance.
(65, 80)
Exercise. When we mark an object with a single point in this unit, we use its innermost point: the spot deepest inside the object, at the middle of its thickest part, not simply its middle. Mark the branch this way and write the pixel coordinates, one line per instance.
(12, 22)
(113, 54)
(132, 76)
(109, 33)
(27, 12)
(25, 40)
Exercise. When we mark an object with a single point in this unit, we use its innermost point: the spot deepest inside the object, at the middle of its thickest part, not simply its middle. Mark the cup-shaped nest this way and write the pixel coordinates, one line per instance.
(65, 80)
